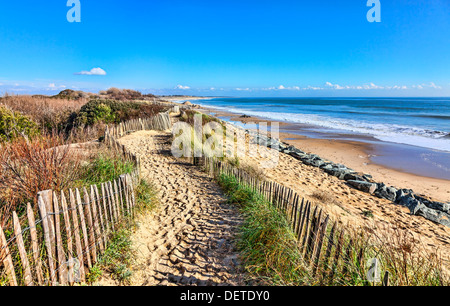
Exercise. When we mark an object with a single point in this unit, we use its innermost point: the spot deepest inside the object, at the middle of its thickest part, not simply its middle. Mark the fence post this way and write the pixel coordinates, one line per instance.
(102, 216)
(59, 243)
(34, 245)
(76, 230)
(5, 256)
(96, 223)
(69, 237)
(90, 220)
(83, 227)
(22, 252)
(47, 236)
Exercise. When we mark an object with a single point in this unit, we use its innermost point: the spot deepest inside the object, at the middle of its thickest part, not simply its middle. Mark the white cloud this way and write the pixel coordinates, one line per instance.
(93, 71)
(53, 86)
(282, 87)
(182, 87)
(243, 89)
(335, 86)
(432, 85)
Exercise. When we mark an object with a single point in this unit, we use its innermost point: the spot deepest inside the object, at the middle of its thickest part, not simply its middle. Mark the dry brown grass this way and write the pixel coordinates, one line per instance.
(49, 113)
(29, 166)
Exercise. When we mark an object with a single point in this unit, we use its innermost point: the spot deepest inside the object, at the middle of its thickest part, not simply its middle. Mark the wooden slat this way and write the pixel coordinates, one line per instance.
(120, 209)
(76, 231)
(113, 201)
(105, 208)
(94, 206)
(299, 219)
(131, 190)
(385, 282)
(61, 267)
(330, 245)
(47, 197)
(313, 233)
(35, 245)
(316, 257)
(88, 213)
(5, 257)
(122, 201)
(47, 237)
(107, 195)
(101, 215)
(69, 240)
(337, 255)
(28, 279)
(124, 187)
(86, 252)
(308, 223)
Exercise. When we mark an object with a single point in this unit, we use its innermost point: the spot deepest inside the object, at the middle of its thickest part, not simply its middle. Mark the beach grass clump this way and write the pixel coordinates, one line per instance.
(266, 242)
(146, 196)
(105, 166)
(117, 258)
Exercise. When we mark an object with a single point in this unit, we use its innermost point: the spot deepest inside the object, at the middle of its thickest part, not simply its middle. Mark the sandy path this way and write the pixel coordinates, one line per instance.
(188, 240)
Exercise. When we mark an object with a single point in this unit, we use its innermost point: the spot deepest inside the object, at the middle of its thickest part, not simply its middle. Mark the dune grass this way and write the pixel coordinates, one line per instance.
(266, 242)
(271, 255)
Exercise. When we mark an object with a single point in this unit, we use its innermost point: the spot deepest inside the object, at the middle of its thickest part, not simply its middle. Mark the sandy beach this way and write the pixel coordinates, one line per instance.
(195, 215)
(354, 154)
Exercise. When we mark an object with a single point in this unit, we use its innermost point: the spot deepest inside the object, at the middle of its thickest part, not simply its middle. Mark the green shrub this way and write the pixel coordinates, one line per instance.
(13, 125)
(112, 111)
(105, 167)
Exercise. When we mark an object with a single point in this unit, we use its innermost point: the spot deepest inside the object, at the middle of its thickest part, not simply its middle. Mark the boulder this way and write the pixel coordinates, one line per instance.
(434, 215)
(353, 176)
(384, 192)
(363, 186)
(403, 193)
(412, 203)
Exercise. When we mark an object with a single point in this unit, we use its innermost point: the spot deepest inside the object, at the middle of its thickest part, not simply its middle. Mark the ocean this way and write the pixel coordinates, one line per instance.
(422, 122)
(419, 127)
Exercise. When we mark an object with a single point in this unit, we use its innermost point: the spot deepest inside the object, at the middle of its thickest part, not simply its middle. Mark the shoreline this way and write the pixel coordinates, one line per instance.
(355, 154)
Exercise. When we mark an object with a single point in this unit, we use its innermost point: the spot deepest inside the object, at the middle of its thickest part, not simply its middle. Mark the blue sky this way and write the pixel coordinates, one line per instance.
(236, 48)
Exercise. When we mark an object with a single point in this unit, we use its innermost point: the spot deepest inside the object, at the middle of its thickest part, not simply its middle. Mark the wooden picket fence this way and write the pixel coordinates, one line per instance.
(71, 234)
(59, 244)
(326, 247)
(160, 122)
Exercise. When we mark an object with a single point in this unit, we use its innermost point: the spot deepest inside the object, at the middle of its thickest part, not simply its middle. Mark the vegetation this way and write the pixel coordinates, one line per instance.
(117, 259)
(112, 111)
(189, 115)
(271, 254)
(14, 124)
(50, 114)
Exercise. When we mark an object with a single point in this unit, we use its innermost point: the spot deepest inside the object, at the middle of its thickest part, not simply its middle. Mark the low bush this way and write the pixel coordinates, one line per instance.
(121, 94)
(112, 111)
(28, 166)
(14, 125)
